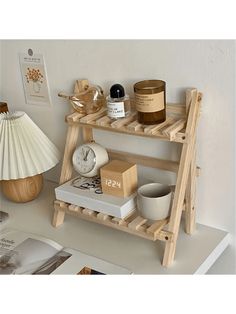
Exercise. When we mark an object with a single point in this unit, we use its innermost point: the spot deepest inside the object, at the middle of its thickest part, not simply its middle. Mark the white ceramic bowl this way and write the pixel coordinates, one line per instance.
(154, 201)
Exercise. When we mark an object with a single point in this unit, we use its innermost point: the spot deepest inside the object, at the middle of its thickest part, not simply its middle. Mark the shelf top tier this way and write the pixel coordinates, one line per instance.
(172, 129)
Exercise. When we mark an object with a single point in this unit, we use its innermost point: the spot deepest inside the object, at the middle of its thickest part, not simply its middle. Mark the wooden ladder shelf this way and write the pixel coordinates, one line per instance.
(180, 127)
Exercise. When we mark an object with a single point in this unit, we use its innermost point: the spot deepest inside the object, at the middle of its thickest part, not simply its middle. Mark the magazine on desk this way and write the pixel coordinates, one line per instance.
(24, 253)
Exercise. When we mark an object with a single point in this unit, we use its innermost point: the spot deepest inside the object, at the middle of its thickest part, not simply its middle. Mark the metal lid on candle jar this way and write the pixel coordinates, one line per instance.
(117, 91)
(149, 86)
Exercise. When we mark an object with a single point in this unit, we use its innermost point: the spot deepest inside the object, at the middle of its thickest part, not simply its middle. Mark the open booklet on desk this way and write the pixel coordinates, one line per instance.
(24, 253)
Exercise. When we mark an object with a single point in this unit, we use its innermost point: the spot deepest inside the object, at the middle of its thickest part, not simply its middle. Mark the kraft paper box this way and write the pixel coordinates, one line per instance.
(119, 178)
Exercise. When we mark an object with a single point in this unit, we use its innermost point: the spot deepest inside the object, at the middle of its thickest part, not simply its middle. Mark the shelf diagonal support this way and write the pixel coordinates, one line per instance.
(182, 177)
(190, 212)
(67, 168)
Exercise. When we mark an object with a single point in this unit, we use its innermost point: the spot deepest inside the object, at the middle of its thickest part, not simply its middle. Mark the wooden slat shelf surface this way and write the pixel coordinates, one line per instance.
(170, 130)
(133, 224)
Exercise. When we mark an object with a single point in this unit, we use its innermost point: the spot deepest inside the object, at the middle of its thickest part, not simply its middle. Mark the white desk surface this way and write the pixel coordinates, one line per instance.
(194, 254)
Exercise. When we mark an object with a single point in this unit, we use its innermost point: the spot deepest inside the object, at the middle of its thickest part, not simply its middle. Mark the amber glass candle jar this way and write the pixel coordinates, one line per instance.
(150, 101)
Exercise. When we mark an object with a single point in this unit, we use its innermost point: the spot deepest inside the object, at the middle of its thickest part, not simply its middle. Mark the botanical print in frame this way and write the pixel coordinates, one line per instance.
(34, 78)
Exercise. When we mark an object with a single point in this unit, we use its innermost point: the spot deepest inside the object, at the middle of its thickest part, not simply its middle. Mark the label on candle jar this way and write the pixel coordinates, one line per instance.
(150, 102)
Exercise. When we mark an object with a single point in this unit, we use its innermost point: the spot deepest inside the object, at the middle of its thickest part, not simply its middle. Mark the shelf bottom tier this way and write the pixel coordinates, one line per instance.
(133, 223)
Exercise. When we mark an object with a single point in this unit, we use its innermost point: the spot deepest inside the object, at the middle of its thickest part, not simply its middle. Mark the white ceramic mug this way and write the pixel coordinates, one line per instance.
(154, 201)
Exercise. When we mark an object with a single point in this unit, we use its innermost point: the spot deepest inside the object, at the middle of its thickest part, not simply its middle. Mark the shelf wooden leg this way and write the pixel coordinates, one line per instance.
(67, 168)
(71, 142)
(190, 212)
(177, 205)
(182, 179)
(169, 253)
(58, 218)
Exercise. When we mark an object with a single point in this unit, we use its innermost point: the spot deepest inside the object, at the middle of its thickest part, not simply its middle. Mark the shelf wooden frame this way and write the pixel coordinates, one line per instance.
(179, 127)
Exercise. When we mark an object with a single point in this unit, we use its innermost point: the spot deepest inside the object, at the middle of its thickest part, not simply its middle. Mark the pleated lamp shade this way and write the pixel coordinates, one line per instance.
(25, 151)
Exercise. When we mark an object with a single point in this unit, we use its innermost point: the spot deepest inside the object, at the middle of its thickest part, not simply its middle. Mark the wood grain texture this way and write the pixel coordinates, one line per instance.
(190, 213)
(182, 178)
(179, 127)
(71, 142)
(146, 161)
(23, 190)
(115, 223)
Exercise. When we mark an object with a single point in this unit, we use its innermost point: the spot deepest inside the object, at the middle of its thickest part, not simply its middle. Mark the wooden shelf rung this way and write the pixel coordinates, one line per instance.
(119, 221)
(170, 122)
(61, 204)
(74, 208)
(152, 129)
(156, 227)
(147, 161)
(94, 116)
(131, 216)
(174, 128)
(122, 122)
(105, 120)
(89, 212)
(103, 217)
(134, 126)
(74, 117)
(137, 222)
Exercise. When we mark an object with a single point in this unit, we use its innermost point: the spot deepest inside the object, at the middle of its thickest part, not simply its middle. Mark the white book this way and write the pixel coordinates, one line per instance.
(86, 192)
